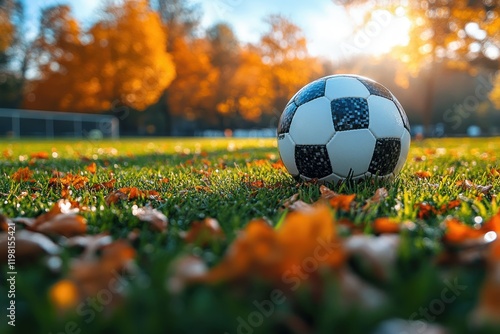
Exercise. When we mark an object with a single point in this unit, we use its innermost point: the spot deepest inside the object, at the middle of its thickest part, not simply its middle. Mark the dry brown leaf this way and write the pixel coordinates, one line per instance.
(29, 245)
(62, 219)
(380, 195)
(23, 175)
(300, 206)
(468, 184)
(378, 253)
(115, 196)
(204, 232)
(289, 201)
(157, 220)
(96, 272)
(185, 270)
(423, 174)
(337, 201)
(261, 251)
(104, 185)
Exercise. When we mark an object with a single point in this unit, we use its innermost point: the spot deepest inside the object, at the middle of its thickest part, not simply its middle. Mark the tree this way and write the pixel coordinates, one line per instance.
(6, 24)
(15, 52)
(120, 60)
(284, 51)
(452, 33)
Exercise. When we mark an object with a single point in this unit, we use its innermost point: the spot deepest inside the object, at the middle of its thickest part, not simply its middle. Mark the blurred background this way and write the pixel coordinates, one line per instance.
(228, 67)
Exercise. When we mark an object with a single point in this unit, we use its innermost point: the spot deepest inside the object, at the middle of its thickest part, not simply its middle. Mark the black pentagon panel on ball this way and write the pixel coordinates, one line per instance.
(286, 118)
(385, 156)
(375, 88)
(350, 113)
(310, 92)
(312, 161)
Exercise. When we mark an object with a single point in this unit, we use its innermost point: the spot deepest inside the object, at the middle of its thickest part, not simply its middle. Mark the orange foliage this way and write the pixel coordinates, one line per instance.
(386, 225)
(64, 294)
(260, 251)
(23, 174)
(125, 61)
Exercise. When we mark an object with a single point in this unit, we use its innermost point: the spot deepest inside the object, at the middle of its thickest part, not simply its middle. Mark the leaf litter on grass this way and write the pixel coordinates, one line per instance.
(285, 256)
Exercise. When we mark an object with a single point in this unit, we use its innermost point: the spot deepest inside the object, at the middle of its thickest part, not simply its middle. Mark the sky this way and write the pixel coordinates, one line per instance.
(328, 28)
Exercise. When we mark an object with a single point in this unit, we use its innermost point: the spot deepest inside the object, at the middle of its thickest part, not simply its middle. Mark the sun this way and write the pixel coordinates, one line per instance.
(393, 31)
(379, 35)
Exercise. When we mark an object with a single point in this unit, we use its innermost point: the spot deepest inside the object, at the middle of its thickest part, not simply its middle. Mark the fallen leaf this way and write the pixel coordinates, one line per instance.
(425, 210)
(29, 246)
(23, 174)
(278, 164)
(91, 168)
(488, 306)
(468, 184)
(337, 201)
(380, 195)
(39, 155)
(104, 185)
(69, 180)
(386, 225)
(423, 174)
(60, 220)
(157, 220)
(204, 232)
(64, 295)
(263, 252)
(457, 232)
(495, 172)
(185, 270)
(377, 253)
(115, 196)
(289, 201)
(103, 270)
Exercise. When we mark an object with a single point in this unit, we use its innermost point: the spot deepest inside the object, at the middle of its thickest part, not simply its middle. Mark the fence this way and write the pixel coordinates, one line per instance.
(17, 123)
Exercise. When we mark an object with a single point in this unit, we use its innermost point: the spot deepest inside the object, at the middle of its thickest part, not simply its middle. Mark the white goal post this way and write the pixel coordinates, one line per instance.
(19, 123)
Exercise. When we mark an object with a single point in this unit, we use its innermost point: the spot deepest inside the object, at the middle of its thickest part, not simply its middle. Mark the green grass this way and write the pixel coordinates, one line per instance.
(221, 179)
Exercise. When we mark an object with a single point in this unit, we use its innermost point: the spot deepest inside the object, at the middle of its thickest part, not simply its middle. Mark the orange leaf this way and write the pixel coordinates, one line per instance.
(495, 172)
(39, 155)
(425, 210)
(386, 225)
(105, 185)
(64, 294)
(23, 174)
(278, 164)
(115, 196)
(458, 232)
(337, 201)
(262, 252)
(423, 174)
(91, 168)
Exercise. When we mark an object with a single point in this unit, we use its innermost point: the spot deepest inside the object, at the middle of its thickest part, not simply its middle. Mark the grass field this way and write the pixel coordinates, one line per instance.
(417, 254)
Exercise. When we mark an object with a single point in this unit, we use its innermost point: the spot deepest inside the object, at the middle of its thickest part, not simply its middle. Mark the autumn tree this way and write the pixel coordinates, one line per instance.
(193, 93)
(459, 34)
(283, 49)
(119, 60)
(224, 56)
(6, 25)
(14, 53)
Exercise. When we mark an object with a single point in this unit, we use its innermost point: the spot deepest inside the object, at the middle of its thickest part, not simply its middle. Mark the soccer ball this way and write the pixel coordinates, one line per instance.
(343, 127)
